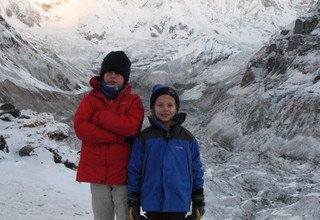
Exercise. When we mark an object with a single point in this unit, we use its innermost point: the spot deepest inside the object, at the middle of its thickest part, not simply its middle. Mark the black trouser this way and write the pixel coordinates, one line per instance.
(166, 215)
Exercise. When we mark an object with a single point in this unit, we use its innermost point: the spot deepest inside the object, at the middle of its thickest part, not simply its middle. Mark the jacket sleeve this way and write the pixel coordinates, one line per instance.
(135, 167)
(126, 125)
(196, 166)
(89, 132)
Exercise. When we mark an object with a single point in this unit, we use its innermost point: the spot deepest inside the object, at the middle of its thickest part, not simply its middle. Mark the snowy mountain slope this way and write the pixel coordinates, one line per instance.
(168, 41)
(31, 79)
(260, 131)
(152, 32)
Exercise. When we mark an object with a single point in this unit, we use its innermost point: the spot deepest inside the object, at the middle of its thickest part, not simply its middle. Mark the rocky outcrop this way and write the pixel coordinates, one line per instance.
(272, 62)
(286, 70)
(26, 14)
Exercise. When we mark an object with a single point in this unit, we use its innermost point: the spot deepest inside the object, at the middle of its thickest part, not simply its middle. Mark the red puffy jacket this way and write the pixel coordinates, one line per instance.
(102, 124)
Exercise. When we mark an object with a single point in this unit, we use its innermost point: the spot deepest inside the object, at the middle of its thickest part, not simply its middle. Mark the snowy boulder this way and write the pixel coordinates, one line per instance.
(38, 120)
(26, 151)
(8, 108)
(6, 117)
(57, 131)
(58, 158)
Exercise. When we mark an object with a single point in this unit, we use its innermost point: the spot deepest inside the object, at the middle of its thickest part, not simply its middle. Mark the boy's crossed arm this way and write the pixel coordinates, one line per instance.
(126, 125)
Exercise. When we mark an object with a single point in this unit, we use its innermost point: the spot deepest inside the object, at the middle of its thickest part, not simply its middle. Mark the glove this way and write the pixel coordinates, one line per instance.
(198, 204)
(129, 140)
(134, 206)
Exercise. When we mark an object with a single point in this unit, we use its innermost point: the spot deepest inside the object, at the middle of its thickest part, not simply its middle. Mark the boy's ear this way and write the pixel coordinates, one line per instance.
(149, 113)
(152, 112)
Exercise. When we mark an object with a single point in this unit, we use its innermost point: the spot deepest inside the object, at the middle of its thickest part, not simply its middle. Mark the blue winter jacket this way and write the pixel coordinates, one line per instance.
(165, 167)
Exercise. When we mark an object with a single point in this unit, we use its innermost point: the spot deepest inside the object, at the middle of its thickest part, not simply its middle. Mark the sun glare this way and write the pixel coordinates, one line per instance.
(43, 1)
(66, 13)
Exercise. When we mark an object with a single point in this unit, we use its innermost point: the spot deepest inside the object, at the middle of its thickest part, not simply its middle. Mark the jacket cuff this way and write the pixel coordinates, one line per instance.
(135, 194)
(197, 192)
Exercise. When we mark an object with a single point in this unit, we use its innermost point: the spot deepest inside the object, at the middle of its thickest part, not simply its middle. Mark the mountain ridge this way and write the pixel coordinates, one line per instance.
(24, 83)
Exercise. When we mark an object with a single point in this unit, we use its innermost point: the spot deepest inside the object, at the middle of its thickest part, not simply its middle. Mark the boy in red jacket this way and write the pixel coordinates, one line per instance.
(106, 119)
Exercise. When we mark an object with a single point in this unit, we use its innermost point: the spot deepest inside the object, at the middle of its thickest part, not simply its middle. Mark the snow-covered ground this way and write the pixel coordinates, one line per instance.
(35, 187)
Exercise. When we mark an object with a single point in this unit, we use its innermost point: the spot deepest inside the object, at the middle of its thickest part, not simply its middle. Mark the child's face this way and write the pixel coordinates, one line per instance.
(165, 109)
(113, 78)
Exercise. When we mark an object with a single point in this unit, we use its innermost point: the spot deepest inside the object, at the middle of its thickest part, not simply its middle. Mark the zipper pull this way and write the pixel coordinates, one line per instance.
(167, 137)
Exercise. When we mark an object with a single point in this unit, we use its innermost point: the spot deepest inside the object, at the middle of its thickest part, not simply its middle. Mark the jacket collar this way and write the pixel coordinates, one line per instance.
(178, 119)
(95, 83)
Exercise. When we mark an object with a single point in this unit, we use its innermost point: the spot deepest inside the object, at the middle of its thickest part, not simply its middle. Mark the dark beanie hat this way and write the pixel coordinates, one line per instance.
(116, 61)
(159, 90)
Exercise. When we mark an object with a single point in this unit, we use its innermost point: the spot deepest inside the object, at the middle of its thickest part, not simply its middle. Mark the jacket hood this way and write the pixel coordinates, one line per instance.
(178, 119)
(95, 82)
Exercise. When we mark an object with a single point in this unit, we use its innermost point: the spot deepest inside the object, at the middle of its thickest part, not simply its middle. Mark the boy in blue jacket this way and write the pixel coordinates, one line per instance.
(165, 171)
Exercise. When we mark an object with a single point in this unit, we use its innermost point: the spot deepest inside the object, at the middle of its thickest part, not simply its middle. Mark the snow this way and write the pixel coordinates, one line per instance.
(122, 24)
(35, 187)
(194, 93)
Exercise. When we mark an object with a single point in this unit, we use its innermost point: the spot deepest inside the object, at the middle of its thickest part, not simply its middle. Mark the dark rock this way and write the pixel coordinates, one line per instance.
(3, 145)
(285, 32)
(271, 48)
(295, 41)
(26, 151)
(58, 136)
(57, 158)
(24, 117)
(248, 78)
(316, 79)
(7, 107)
(15, 113)
(10, 109)
(271, 64)
(307, 26)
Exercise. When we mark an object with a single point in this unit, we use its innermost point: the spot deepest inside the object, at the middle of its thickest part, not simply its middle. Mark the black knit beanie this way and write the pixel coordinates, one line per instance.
(159, 90)
(116, 61)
